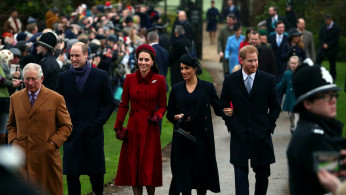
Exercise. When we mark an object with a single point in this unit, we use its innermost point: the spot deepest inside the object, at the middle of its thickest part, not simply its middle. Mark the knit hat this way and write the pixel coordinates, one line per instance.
(48, 40)
(310, 80)
(16, 51)
(5, 56)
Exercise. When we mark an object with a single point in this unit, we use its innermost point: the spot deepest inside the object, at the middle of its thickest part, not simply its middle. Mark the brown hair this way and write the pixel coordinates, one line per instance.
(154, 68)
(248, 49)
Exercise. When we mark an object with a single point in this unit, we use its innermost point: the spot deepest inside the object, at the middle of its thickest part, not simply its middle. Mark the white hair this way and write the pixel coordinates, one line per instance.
(33, 66)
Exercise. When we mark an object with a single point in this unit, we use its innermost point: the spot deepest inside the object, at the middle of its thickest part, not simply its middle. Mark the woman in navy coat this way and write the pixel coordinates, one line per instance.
(193, 164)
(140, 162)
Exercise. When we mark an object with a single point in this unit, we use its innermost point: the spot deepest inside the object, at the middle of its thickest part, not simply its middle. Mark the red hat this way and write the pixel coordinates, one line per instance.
(146, 47)
(7, 34)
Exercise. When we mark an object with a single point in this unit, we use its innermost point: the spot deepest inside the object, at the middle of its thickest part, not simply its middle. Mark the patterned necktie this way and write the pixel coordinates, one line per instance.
(33, 99)
(248, 83)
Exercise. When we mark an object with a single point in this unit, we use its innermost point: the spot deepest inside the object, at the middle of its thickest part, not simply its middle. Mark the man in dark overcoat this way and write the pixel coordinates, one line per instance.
(277, 40)
(329, 38)
(50, 66)
(88, 95)
(266, 58)
(178, 49)
(251, 121)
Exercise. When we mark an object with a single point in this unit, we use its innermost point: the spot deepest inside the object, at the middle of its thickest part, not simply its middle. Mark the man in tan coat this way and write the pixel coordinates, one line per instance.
(39, 123)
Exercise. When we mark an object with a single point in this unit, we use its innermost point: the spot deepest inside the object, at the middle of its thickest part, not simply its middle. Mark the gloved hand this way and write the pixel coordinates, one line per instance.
(154, 119)
(121, 133)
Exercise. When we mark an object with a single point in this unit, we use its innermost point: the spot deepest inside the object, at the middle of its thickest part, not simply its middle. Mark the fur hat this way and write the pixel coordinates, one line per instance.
(48, 40)
(5, 56)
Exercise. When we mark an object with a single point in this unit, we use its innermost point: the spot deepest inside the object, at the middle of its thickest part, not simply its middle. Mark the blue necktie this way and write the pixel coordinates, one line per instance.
(248, 83)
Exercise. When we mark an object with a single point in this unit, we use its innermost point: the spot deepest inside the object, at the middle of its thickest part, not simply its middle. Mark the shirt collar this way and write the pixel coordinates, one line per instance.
(245, 75)
(331, 25)
(155, 43)
(36, 93)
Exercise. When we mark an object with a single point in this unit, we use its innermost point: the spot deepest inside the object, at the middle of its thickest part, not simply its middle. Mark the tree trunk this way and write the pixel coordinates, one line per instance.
(245, 12)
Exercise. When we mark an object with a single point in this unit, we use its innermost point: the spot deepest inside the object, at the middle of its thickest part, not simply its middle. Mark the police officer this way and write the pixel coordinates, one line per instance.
(317, 128)
(50, 66)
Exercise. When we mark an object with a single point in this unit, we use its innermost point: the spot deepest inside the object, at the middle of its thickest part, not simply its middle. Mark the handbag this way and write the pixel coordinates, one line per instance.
(121, 134)
(182, 132)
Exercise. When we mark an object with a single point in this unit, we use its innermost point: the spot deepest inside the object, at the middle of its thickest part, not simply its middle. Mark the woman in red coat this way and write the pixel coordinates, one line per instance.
(140, 161)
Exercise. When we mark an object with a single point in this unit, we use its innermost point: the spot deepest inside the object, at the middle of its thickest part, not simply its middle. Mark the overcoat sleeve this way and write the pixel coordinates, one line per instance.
(172, 104)
(162, 99)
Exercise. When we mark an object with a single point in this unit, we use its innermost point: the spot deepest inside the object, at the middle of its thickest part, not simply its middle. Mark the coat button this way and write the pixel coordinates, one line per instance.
(207, 105)
(206, 129)
(250, 129)
(137, 92)
(205, 117)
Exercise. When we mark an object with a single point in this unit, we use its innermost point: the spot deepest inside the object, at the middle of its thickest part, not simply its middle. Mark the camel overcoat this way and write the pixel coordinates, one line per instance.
(34, 127)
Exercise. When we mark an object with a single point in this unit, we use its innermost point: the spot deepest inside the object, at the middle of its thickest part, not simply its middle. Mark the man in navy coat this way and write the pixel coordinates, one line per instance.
(89, 100)
(329, 38)
(251, 121)
(277, 40)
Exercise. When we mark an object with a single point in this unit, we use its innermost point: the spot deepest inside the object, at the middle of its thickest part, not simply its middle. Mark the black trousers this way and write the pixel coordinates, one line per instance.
(74, 187)
(242, 180)
(332, 62)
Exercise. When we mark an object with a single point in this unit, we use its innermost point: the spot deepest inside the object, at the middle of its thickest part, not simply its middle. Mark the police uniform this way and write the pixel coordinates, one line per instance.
(313, 133)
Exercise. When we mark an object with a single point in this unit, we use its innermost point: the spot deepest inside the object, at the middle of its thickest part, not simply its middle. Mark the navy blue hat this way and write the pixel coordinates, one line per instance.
(310, 80)
(21, 36)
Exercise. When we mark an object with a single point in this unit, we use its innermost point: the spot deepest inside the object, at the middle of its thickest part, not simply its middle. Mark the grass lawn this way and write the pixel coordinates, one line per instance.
(112, 146)
(340, 82)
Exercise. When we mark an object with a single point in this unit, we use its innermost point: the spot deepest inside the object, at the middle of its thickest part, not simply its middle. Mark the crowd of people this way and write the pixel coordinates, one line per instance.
(62, 78)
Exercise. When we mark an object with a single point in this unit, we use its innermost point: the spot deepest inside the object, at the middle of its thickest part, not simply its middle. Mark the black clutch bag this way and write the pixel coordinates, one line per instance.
(179, 130)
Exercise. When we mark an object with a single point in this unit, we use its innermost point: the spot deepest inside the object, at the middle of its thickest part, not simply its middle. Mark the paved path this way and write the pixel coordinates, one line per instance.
(278, 181)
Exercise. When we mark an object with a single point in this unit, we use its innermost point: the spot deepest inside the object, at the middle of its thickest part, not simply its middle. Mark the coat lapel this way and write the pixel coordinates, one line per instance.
(241, 83)
(72, 81)
(26, 101)
(41, 98)
(256, 83)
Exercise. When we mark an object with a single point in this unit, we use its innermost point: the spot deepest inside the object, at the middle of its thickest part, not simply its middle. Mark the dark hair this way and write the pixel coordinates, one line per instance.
(236, 27)
(231, 15)
(279, 22)
(187, 60)
(328, 17)
(154, 68)
(247, 32)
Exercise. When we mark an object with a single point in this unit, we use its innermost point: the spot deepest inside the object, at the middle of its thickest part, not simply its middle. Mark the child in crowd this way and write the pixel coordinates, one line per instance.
(286, 84)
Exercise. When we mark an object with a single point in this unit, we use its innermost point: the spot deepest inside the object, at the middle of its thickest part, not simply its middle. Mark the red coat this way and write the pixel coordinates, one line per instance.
(140, 162)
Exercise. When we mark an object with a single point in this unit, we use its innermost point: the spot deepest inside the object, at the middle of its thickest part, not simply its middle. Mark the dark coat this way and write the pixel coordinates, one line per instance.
(288, 50)
(185, 153)
(89, 109)
(286, 85)
(189, 32)
(178, 49)
(162, 59)
(280, 61)
(271, 26)
(164, 41)
(50, 69)
(331, 37)
(251, 124)
(140, 162)
(228, 10)
(313, 133)
(266, 60)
